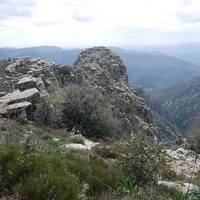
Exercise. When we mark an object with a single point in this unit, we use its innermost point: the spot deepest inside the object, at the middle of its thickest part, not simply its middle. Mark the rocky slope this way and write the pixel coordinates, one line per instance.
(25, 81)
(163, 119)
(181, 101)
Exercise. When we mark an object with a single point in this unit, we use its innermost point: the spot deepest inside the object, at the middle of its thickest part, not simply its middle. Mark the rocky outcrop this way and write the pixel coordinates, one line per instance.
(26, 83)
(19, 103)
(182, 187)
(19, 96)
(100, 67)
(184, 162)
(28, 80)
(23, 81)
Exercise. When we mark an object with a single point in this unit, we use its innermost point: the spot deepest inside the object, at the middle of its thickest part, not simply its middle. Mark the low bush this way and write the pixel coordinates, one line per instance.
(54, 176)
(140, 159)
(82, 108)
(106, 152)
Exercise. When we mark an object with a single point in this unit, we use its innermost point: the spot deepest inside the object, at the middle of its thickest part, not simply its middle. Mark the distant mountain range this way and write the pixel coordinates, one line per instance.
(156, 70)
(56, 54)
(150, 67)
(187, 51)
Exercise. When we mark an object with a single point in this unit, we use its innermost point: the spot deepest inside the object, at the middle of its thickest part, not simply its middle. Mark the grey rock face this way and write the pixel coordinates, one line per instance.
(100, 67)
(106, 67)
(97, 67)
(26, 83)
(18, 96)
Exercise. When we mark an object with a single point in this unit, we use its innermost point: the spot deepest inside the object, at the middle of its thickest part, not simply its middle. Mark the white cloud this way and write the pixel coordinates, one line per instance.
(98, 22)
(12, 8)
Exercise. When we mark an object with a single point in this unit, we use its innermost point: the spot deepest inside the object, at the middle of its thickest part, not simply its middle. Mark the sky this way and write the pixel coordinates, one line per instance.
(87, 23)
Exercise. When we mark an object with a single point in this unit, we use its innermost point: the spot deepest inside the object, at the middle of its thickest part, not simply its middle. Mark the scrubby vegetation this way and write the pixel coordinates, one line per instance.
(194, 135)
(34, 165)
(127, 170)
(140, 160)
(83, 109)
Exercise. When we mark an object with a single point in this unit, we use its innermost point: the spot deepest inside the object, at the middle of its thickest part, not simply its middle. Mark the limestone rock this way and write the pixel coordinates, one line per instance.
(26, 83)
(10, 69)
(100, 67)
(88, 145)
(182, 187)
(184, 161)
(20, 96)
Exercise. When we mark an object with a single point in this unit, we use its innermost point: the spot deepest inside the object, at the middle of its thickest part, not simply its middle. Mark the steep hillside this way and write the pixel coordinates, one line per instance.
(163, 119)
(157, 70)
(181, 101)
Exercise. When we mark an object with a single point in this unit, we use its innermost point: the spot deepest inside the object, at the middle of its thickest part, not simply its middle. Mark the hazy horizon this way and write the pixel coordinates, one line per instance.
(108, 46)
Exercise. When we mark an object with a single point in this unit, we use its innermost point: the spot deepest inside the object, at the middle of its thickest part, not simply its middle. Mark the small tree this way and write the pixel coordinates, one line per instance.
(88, 111)
(194, 135)
(139, 159)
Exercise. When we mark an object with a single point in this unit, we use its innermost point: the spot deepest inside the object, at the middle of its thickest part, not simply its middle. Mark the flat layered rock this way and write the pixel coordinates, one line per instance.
(26, 83)
(16, 107)
(20, 96)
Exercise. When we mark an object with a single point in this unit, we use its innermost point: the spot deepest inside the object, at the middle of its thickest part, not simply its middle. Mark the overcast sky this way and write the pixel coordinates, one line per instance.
(87, 23)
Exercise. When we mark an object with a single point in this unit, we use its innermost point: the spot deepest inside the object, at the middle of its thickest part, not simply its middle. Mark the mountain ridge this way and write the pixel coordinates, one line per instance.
(149, 69)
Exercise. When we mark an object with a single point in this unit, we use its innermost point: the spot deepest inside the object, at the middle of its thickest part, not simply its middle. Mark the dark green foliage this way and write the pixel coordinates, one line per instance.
(93, 170)
(56, 148)
(88, 111)
(140, 159)
(194, 195)
(106, 153)
(168, 174)
(49, 179)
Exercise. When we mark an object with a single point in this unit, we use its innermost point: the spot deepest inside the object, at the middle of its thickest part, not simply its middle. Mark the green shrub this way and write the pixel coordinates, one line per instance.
(56, 147)
(159, 192)
(88, 111)
(49, 182)
(166, 173)
(106, 152)
(10, 170)
(139, 159)
(71, 175)
(93, 170)
(194, 195)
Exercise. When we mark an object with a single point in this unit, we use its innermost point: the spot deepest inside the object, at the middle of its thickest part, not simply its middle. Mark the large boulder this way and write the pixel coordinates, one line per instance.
(17, 96)
(26, 83)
